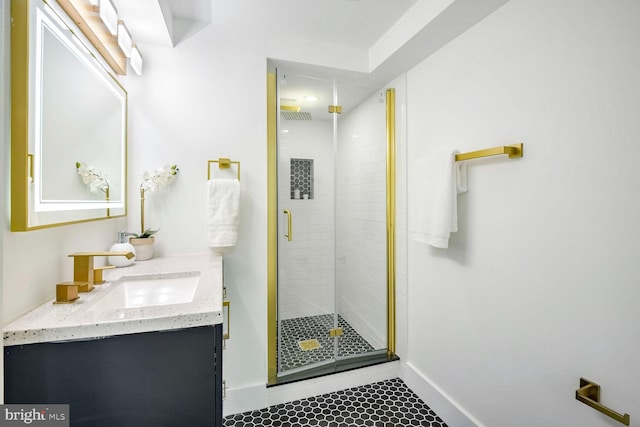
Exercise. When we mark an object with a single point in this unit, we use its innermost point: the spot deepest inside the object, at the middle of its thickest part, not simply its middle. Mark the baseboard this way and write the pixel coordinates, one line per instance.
(248, 398)
(448, 409)
(256, 397)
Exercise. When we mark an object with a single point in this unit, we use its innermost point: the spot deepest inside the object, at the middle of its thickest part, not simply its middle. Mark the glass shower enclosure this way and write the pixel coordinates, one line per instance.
(331, 301)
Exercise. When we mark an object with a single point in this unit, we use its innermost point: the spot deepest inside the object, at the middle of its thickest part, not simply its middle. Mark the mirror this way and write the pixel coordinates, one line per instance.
(68, 119)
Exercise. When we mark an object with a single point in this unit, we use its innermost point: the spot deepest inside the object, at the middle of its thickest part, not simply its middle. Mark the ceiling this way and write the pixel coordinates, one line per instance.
(355, 23)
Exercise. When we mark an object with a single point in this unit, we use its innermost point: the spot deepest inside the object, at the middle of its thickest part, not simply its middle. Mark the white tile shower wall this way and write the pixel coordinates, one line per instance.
(361, 219)
(306, 268)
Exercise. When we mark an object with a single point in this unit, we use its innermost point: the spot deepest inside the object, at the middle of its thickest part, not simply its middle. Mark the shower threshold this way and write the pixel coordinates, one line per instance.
(333, 367)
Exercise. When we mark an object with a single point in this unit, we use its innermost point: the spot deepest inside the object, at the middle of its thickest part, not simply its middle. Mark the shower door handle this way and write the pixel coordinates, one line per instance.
(287, 212)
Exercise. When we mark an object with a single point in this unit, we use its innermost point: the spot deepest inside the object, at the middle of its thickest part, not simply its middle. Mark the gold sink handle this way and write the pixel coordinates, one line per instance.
(67, 292)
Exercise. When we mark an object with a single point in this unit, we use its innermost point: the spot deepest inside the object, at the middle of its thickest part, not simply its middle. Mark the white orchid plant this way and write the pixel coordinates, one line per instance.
(158, 178)
(95, 179)
(151, 181)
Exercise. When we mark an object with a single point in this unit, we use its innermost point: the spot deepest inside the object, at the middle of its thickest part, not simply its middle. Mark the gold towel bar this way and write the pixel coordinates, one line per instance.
(589, 394)
(514, 151)
(223, 163)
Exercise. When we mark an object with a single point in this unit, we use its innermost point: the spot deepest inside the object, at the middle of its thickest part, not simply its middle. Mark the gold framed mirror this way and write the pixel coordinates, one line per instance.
(68, 124)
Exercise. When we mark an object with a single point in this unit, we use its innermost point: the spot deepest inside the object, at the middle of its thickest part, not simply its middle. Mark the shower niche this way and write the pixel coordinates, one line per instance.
(301, 179)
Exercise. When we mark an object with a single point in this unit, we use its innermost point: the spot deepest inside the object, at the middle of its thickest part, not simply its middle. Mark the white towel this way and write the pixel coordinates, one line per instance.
(437, 179)
(223, 209)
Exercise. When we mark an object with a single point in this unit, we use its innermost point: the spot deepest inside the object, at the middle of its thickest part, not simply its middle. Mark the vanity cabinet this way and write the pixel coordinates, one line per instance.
(162, 378)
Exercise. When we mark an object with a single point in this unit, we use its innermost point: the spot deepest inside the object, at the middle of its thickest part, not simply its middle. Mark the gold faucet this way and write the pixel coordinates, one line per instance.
(86, 273)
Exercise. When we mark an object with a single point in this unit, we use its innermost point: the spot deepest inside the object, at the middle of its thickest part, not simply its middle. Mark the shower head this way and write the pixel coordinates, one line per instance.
(292, 112)
(295, 115)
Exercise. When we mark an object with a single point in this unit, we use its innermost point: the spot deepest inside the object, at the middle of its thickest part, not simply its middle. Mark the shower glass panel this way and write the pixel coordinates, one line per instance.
(360, 233)
(332, 248)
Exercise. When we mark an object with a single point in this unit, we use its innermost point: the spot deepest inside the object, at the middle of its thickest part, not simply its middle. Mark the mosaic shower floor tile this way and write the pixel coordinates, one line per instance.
(387, 403)
(301, 329)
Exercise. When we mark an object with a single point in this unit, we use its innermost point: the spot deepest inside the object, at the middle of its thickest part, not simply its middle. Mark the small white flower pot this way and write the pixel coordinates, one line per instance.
(144, 248)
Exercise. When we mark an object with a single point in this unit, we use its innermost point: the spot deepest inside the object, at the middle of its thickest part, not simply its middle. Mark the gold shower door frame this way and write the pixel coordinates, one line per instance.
(272, 228)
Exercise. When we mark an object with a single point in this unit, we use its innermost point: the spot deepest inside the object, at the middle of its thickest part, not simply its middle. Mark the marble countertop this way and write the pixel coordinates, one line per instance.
(61, 322)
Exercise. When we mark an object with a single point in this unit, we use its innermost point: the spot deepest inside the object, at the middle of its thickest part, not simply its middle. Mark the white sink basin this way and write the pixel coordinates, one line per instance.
(149, 290)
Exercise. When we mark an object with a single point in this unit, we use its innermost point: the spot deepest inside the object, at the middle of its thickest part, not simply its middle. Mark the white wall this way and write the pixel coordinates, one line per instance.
(540, 285)
(306, 263)
(203, 100)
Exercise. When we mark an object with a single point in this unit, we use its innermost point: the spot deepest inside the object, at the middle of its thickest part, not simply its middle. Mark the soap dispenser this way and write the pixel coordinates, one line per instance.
(122, 246)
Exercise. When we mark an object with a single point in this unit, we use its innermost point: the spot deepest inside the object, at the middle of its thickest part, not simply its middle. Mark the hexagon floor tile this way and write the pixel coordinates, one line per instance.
(387, 403)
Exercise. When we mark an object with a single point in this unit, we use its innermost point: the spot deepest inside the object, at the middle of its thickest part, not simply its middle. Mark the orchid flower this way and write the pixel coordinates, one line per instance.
(93, 178)
(158, 178)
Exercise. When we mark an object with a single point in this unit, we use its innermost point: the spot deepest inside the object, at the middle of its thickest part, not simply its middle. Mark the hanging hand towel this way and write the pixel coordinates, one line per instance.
(437, 179)
(223, 209)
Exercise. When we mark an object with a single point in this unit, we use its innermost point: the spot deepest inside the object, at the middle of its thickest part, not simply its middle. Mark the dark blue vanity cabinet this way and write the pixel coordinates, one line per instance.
(163, 378)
